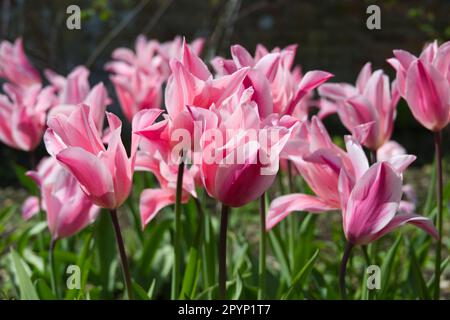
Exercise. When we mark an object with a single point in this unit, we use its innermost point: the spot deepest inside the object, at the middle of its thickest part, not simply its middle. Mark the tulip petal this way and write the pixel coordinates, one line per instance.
(30, 207)
(152, 201)
(428, 95)
(91, 173)
(372, 203)
(282, 206)
(415, 219)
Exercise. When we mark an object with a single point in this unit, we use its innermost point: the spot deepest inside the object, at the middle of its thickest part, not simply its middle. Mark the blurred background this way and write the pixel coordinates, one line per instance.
(331, 34)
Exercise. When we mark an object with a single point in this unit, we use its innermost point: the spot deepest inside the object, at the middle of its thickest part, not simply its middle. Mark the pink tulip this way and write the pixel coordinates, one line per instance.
(72, 89)
(104, 174)
(278, 88)
(369, 205)
(68, 209)
(338, 175)
(23, 115)
(138, 92)
(367, 110)
(389, 150)
(240, 156)
(424, 83)
(319, 161)
(192, 84)
(75, 89)
(30, 207)
(138, 76)
(14, 65)
(173, 49)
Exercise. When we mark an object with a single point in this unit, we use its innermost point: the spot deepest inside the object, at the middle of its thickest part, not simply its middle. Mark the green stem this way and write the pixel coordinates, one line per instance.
(366, 254)
(122, 253)
(200, 229)
(262, 247)
(292, 221)
(439, 186)
(176, 273)
(51, 258)
(223, 252)
(343, 269)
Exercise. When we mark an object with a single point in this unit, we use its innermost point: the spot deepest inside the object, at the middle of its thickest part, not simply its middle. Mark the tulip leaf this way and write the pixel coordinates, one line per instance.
(238, 288)
(27, 290)
(44, 291)
(151, 290)
(106, 249)
(191, 274)
(429, 202)
(444, 264)
(152, 242)
(300, 278)
(280, 253)
(139, 292)
(209, 254)
(387, 266)
(416, 276)
(306, 238)
(25, 180)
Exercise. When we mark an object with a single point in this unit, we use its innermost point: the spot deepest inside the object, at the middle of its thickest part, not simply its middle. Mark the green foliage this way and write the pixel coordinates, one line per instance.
(405, 257)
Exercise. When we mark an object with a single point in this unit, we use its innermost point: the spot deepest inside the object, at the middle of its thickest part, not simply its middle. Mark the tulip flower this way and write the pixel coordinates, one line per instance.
(68, 209)
(424, 83)
(390, 150)
(239, 159)
(105, 175)
(192, 84)
(226, 178)
(173, 49)
(319, 161)
(367, 110)
(15, 66)
(72, 89)
(75, 89)
(370, 204)
(278, 88)
(138, 76)
(23, 115)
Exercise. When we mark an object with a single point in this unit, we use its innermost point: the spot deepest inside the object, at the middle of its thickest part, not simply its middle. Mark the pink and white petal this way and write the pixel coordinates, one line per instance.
(282, 206)
(152, 201)
(363, 77)
(373, 202)
(401, 162)
(194, 64)
(357, 157)
(30, 207)
(241, 56)
(91, 173)
(415, 219)
(363, 131)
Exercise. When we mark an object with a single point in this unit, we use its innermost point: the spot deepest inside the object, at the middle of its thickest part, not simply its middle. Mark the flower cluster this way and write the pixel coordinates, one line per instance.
(227, 132)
